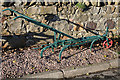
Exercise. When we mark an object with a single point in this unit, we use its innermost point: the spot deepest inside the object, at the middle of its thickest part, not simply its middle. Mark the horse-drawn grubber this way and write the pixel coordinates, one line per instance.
(71, 42)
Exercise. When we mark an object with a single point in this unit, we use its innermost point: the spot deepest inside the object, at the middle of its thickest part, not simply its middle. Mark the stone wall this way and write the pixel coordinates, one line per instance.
(66, 18)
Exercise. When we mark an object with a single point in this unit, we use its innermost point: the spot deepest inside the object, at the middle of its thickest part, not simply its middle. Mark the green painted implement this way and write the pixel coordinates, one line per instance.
(68, 42)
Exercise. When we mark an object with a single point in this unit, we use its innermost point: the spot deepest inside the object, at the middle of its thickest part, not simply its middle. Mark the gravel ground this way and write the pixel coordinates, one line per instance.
(17, 63)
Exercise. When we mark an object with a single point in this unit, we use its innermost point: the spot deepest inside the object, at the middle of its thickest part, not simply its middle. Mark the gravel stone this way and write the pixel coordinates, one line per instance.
(20, 63)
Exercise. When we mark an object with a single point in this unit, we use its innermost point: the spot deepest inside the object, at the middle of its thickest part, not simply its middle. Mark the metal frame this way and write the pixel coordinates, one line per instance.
(65, 43)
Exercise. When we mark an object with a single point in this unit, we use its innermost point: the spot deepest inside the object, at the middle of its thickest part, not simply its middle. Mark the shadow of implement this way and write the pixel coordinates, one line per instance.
(24, 40)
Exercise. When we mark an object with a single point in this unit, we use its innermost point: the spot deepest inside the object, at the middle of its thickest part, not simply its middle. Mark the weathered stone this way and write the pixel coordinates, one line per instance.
(48, 10)
(115, 15)
(110, 9)
(91, 25)
(71, 27)
(82, 33)
(65, 29)
(95, 10)
(96, 17)
(32, 10)
(16, 26)
(104, 8)
(108, 16)
(19, 9)
(100, 24)
(90, 15)
(110, 24)
(63, 25)
(117, 10)
(83, 18)
(75, 33)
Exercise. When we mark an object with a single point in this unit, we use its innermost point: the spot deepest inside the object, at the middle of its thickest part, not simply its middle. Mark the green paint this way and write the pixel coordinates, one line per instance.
(65, 43)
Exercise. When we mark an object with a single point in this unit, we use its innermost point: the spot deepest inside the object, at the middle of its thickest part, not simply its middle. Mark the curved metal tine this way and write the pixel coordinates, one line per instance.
(23, 17)
(9, 10)
(92, 44)
(43, 50)
(19, 17)
(13, 11)
(106, 33)
(59, 37)
(66, 46)
(55, 40)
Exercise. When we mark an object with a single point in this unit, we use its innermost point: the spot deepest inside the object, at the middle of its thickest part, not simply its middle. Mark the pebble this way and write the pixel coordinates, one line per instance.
(28, 62)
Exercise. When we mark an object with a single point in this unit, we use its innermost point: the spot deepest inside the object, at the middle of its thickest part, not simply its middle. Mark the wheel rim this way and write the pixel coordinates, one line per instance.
(105, 44)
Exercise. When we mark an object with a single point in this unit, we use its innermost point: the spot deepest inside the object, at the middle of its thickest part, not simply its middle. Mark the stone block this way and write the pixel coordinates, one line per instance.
(16, 26)
(107, 16)
(84, 70)
(115, 15)
(95, 10)
(114, 63)
(48, 10)
(109, 23)
(83, 18)
(91, 25)
(32, 10)
(110, 9)
(75, 32)
(46, 75)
